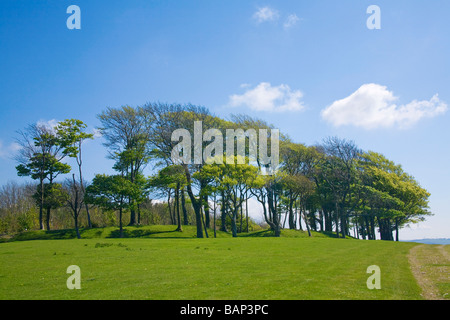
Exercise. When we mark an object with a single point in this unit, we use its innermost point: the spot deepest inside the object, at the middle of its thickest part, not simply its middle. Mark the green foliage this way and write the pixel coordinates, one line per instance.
(71, 134)
(110, 192)
(54, 196)
(331, 186)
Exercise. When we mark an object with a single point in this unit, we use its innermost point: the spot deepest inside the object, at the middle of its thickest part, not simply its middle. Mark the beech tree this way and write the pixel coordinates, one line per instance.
(390, 196)
(111, 193)
(171, 178)
(126, 134)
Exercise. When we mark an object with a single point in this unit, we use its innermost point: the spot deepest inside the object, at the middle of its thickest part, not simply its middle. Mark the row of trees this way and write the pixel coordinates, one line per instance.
(333, 186)
(19, 211)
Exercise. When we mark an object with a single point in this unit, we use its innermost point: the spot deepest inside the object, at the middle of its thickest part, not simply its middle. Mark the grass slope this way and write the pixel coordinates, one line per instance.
(152, 231)
(224, 268)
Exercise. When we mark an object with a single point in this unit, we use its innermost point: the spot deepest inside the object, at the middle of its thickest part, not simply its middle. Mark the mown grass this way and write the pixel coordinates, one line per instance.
(224, 268)
(432, 266)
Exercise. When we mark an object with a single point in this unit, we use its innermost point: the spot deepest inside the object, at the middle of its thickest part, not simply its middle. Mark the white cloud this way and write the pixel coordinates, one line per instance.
(8, 151)
(97, 133)
(266, 14)
(264, 97)
(50, 124)
(291, 21)
(373, 106)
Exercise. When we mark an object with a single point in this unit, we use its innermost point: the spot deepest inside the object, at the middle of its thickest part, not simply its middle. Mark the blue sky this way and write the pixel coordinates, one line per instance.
(282, 61)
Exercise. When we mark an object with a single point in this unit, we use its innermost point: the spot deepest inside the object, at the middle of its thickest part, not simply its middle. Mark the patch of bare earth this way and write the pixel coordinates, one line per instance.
(430, 265)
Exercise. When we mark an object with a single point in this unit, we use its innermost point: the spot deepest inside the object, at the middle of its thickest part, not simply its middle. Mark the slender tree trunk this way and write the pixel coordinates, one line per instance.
(233, 223)
(298, 216)
(343, 226)
(120, 223)
(48, 218)
(206, 209)
(170, 209)
(183, 207)
(337, 219)
(204, 225)
(82, 186)
(306, 222)
(177, 199)
(138, 214)
(396, 230)
(41, 224)
(198, 218)
(242, 218)
(284, 221)
(321, 220)
(292, 225)
(196, 204)
(246, 209)
(215, 234)
(41, 205)
(223, 214)
(356, 229)
(76, 227)
(372, 228)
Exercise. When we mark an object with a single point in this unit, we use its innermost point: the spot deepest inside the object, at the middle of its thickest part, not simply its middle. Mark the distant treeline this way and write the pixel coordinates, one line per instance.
(19, 212)
(333, 186)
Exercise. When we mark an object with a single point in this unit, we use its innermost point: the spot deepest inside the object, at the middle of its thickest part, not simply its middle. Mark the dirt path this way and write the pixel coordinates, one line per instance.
(430, 265)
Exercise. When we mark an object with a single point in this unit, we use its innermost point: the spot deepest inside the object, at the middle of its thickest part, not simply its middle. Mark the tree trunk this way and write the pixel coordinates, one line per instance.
(48, 218)
(82, 187)
(177, 200)
(246, 209)
(170, 209)
(76, 227)
(41, 205)
(292, 225)
(183, 207)
(204, 225)
(88, 216)
(206, 209)
(242, 220)
(233, 223)
(223, 214)
(120, 223)
(138, 214)
(328, 220)
(196, 203)
(343, 226)
(215, 234)
(41, 222)
(132, 217)
(321, 220)
(396, 229)
(337, 219)
(303, 212)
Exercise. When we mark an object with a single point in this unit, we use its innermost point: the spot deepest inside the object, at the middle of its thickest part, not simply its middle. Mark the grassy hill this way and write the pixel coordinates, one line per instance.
(152, 231)
(179, 266)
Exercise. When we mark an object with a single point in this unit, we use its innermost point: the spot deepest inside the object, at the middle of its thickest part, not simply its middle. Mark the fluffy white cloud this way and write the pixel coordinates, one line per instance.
(266, 14)
(265, 97)
(9, 150)
(50, 124)
(373, 106)
(291, 21)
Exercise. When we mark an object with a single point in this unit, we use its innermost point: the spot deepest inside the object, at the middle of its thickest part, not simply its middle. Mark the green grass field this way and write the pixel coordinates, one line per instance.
(157, 263)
